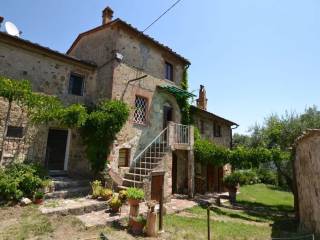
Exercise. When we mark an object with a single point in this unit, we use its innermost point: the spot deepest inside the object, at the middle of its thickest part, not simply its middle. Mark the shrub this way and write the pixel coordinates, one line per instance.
(141, 219)
(135, 193)
(106, 193)
(233, 179)
(123, 195)
(267, 176)
(115, 203)
(96, 188)
(20, 179)
(248, 177)
(39, 195)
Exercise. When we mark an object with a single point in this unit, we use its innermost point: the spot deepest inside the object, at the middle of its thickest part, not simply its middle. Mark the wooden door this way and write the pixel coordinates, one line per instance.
(174, 173)
(210, 178)
(167, 116)
(56, 149)
(157, 187)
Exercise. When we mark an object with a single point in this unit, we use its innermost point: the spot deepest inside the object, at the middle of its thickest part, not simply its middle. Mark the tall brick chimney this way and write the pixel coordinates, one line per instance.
(107, 15)
(202, 100)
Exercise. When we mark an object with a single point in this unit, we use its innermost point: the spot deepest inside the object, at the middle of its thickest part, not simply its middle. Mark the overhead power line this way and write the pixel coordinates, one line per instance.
(172, 6)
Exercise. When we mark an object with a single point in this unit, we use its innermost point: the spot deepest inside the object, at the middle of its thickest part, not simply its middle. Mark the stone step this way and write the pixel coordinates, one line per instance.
(134, 176)
(58, 173)
(63, 184)
(142, 171)
(77, 206)
(69, 193)
(132, 183)
(151, 159)
(154, 154)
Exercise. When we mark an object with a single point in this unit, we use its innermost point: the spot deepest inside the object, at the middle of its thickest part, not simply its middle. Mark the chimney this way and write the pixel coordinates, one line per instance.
(107, 15)
(202, 100)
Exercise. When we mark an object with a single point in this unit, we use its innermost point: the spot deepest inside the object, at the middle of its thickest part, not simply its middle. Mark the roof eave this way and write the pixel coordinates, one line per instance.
(119, 21)
(215, 116)
(19, 42)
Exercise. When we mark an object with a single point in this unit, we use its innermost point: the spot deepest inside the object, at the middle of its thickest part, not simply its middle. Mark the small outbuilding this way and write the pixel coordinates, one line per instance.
(307, 171)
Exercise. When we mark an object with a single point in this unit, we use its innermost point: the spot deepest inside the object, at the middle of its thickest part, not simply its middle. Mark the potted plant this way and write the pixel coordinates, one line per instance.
(135, 196)
(106, 193)
(96, 188)
(115, 204)
(232, 182)
(138, 224)
(47, 185)
(38, 197)
(123, 196)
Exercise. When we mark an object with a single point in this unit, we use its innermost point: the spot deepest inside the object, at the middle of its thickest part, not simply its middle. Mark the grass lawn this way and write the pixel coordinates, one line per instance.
(256, 217)
(265, 196)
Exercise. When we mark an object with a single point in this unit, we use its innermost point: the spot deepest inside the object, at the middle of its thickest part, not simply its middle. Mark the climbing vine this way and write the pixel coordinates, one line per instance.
(100, 129)
(240, 157)
(183, 100)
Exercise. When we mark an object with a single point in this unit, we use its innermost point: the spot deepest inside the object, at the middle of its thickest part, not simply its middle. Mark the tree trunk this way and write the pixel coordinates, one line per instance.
(5, 129)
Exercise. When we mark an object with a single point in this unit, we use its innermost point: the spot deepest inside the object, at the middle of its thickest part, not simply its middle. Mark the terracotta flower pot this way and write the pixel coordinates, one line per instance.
(38, 200)
(134, 202)
(136, 227)
(115, 209)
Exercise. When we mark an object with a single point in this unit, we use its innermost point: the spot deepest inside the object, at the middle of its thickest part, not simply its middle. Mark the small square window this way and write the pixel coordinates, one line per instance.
(216, 130)
(14, 132)
(140, 113)
(124, 155)
(76, 84)
(169, 71)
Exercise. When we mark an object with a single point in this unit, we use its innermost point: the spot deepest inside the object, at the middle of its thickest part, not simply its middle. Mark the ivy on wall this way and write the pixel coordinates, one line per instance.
(100, 129)
(183, 102)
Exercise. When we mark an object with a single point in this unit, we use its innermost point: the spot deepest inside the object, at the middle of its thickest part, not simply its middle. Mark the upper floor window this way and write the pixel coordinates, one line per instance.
(169, 71)
(140, 113)
(124, 155)
(76, 84)
(14, 132)
(216, 130)
(201, 126)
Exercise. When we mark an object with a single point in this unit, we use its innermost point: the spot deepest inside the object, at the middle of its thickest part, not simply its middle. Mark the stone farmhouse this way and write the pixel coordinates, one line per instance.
(114, 61)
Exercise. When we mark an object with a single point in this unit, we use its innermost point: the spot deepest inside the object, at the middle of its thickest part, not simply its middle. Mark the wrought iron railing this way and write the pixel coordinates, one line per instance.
(181, 133)
(144, 161)
(150, 156)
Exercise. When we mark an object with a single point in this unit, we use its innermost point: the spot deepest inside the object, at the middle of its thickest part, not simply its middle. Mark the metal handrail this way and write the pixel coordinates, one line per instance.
(134, 163)
(146, 148)
(181, 135)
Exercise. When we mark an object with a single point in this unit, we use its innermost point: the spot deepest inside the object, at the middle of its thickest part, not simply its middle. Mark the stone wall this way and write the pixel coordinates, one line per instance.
(307, 169)
(51, 76)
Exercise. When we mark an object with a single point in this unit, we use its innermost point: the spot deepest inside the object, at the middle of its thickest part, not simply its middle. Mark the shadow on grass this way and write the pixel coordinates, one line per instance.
(235, 215)
(261, 207)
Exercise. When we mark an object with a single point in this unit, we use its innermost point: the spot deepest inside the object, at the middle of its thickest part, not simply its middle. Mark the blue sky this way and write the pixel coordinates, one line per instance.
(255, 57)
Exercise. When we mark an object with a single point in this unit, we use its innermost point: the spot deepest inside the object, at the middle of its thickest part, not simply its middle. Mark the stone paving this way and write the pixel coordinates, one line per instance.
(101, 218)
(74, 206)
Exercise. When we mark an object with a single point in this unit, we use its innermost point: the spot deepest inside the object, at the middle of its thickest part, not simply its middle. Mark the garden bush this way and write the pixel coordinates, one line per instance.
(21, 180)
(267, 176)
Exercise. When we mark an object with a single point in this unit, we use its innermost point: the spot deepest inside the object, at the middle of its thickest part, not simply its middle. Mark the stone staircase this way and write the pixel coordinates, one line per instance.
(66, 187)
(147, 161)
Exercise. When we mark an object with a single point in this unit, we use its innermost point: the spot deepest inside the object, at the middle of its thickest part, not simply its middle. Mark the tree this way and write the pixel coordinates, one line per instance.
(278, 134)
